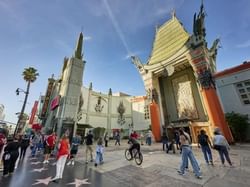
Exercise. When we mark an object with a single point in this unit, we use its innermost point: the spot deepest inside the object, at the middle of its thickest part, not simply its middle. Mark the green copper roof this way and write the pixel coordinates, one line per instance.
(169, 38)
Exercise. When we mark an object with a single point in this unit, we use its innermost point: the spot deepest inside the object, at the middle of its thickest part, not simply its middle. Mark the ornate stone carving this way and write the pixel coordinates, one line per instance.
(184, 98)
(121, 110)
(199, 25)
(206, 79)
(99, 106)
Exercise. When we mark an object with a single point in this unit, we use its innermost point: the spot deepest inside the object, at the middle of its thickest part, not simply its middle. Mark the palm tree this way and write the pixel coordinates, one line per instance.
(29, 75)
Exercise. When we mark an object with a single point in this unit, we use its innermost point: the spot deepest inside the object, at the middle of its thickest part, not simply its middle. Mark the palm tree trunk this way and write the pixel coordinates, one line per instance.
(19, 126)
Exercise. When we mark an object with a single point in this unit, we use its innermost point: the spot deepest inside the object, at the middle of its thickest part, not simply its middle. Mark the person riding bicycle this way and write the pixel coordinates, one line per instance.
(135, 145)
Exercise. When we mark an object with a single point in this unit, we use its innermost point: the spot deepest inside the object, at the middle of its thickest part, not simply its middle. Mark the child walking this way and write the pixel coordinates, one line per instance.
(99, 152)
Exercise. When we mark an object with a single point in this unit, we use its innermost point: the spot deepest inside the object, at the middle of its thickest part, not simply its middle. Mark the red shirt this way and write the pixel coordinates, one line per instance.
(64, 148)
(51, 140)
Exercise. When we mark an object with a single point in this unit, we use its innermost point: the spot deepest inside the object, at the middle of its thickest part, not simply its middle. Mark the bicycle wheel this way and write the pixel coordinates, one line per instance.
(128, 155)
(138, 158)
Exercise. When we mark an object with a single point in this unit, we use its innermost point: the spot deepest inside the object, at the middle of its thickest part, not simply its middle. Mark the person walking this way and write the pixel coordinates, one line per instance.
(149, 137)
(164, 142)
(74, 149)
(35, 142)
(205, 144)
(10, 156)
(222, 146)
(89, 143)
(49, 142)
(24, 144)
(117, 138)
(177, 139)
(187, 153)
(62, 154)
(99, 152)
(106, 139)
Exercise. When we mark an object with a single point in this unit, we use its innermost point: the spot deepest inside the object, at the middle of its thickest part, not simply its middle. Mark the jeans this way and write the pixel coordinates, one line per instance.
(34, 148)
(188, 154)
(207, 153)
(148, 140)
(98, 158)
(224, 152)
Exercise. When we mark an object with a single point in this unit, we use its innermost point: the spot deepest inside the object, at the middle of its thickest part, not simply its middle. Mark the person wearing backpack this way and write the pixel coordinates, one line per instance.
(205, 144)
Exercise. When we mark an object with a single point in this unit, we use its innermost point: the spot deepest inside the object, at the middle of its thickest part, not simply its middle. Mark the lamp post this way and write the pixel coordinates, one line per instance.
(18, 125)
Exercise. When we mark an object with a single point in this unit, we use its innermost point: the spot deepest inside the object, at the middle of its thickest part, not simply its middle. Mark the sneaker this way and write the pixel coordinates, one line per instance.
(91, 160)
(45, 161)
(68, 163)
(180, 172)
(95, 164)
(73, 163)
(199, 177)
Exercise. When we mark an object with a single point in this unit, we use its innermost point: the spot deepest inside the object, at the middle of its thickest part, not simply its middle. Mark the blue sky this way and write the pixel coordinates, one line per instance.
(41, 33)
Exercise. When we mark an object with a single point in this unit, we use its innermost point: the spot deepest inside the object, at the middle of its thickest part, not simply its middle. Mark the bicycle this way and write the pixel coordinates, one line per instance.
(136, 155)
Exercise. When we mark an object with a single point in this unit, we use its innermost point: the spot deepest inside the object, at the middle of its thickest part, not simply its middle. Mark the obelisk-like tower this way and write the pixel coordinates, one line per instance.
(70, 90)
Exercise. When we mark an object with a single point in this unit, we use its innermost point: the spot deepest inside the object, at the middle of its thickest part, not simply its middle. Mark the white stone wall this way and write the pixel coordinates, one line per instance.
(134, 111)
(228, 93)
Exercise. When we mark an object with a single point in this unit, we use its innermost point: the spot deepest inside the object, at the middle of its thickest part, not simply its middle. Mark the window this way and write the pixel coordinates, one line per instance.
(247, 102)
(146, 112)
(239, 85)
(243, 89)
(247, 83)
(244, 96)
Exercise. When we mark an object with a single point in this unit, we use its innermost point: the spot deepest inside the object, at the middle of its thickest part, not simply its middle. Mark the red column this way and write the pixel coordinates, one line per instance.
(155, 121)
(215, 112)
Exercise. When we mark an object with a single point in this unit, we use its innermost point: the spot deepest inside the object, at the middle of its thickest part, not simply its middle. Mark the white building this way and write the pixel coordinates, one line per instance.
(233, 88)
(68, 106)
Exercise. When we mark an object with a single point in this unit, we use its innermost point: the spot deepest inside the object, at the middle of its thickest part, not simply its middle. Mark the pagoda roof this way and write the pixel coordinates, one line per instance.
(169, 38)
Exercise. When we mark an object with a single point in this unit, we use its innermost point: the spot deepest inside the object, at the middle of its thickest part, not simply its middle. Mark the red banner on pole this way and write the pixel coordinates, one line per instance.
(33, 112)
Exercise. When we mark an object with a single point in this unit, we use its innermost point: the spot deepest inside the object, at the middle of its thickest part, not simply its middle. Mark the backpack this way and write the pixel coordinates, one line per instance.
(203, 140)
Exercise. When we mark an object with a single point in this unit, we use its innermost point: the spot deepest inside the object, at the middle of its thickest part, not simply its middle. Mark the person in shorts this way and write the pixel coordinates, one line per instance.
(74, 149)
(49, 146)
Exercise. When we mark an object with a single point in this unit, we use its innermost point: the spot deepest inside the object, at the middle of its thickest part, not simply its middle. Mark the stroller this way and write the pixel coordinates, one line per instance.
(171, 146)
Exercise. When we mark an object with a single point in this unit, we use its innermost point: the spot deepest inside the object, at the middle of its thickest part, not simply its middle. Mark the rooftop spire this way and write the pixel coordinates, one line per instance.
(78, 50)
(173, 13)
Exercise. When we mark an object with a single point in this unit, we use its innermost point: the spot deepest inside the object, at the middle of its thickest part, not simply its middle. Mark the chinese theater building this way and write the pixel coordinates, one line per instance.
(178, 78)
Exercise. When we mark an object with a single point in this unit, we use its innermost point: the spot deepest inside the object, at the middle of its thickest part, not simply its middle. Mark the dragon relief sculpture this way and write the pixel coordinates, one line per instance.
(121, 110)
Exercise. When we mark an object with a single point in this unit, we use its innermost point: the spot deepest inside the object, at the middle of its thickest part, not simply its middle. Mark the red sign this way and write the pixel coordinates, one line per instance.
(47, 98)
(55, 102)
(33, 112)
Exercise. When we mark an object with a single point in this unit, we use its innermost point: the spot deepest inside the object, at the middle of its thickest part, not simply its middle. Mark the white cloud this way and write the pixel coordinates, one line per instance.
(86, 38)
(244, 44)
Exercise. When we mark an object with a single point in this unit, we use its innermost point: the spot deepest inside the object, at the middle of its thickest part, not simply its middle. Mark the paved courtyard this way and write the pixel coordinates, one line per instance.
(158, 169)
